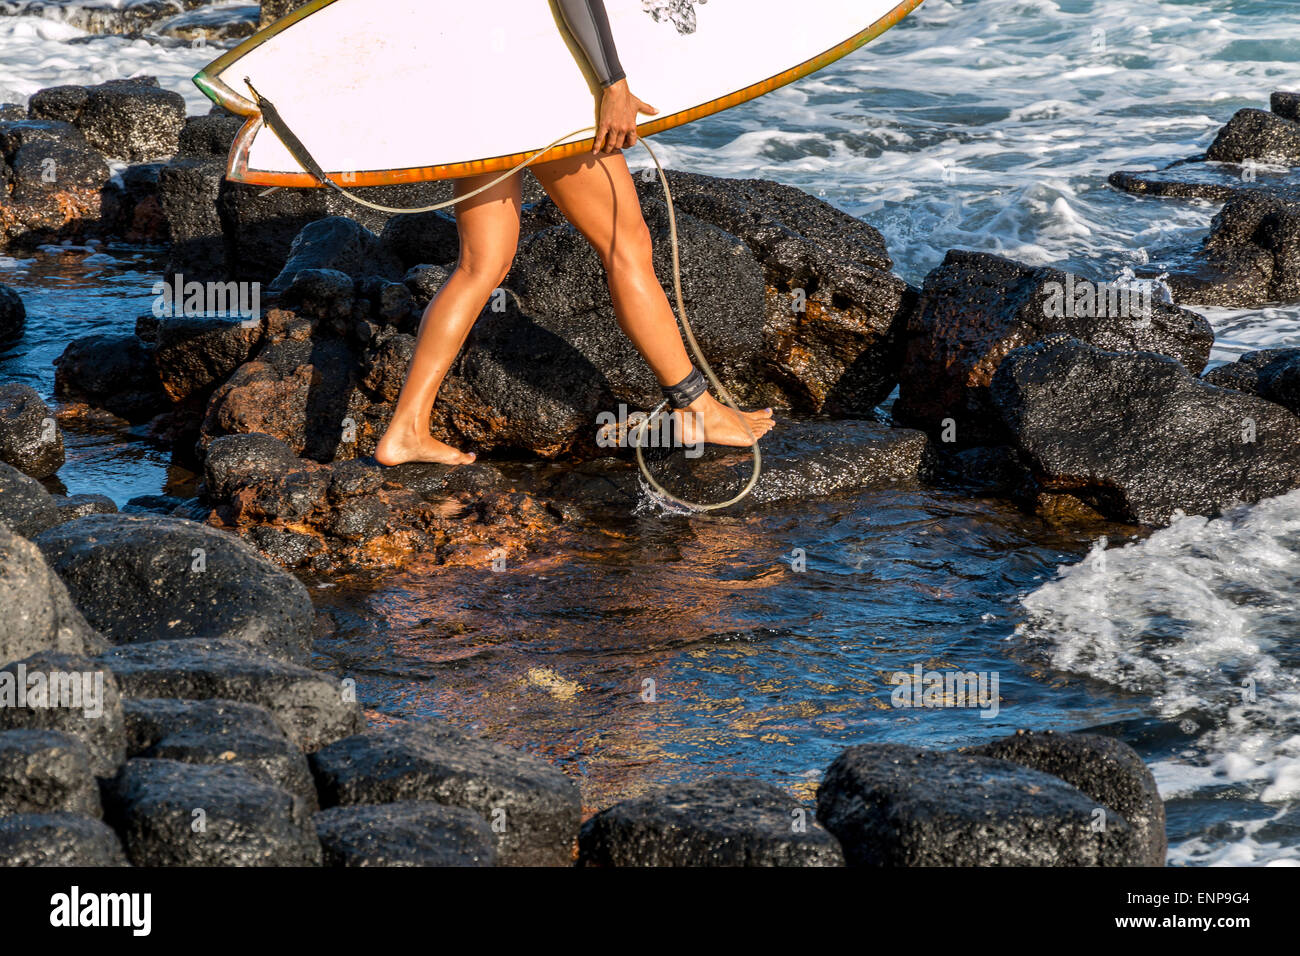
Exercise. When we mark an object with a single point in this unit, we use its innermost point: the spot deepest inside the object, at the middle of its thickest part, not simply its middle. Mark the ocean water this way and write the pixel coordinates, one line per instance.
(978, 124)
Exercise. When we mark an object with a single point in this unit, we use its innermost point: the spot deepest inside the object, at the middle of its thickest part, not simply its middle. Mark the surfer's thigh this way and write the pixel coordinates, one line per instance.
(488, 226)
(597, 195)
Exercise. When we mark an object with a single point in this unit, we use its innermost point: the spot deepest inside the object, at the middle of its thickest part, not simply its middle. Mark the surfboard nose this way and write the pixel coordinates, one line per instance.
(225, 97)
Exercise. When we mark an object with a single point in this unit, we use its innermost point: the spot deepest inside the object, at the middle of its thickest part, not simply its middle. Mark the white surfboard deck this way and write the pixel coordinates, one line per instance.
(386, 91)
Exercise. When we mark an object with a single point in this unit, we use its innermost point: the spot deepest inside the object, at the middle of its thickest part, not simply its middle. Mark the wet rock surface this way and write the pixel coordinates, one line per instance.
(314, 708)
(45, 771)
(1252, 253)
(406, 833)
(534, 809)
(244, 820)
(719, 821)
(71, 694)
(13, 314)
(976, 308)
(892, 805)
(195, 353)
(40, 616)
(1138, 437)
(26, 508)
(78, 506)
(58, 839)
(1103, 768)
(1272, 374)
(51, 184)
(30, 439)
(140, 578)
(113, 372)
(356, 513)
(222, 732)
(800, 459)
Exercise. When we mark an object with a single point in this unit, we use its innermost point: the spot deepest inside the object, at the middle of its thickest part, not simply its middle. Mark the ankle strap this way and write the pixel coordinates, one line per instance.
(687, 390)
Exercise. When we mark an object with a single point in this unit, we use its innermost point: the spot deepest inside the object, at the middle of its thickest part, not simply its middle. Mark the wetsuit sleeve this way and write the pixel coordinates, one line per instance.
(589, 25)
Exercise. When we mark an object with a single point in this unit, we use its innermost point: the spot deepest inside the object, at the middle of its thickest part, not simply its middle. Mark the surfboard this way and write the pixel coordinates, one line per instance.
(399, 91)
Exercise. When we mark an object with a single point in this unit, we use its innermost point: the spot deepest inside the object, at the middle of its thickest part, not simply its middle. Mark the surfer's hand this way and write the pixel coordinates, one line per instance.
(618, 110)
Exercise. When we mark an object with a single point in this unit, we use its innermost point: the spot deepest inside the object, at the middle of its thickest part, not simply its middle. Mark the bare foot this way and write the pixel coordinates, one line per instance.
(402, 445)
(720, 425)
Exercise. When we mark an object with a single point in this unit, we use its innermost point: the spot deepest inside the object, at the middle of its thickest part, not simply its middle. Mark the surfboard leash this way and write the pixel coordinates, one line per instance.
(275, 122)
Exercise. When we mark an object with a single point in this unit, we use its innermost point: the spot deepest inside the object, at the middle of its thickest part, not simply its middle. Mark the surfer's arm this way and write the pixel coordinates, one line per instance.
(589, 24)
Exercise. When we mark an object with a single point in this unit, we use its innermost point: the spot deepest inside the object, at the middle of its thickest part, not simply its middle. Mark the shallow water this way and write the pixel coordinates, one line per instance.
(931, 134)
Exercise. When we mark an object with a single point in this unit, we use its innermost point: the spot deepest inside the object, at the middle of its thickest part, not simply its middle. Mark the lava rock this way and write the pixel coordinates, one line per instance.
(234, 462)
(287, 548)
(45, 771)
(195, 353)
(424, 281)
(140, 578)
(1258, 135)
(320, 293)
(188, 192)
(305, 393)
(244, 820)
(1135, 436)
(273, 10)
(113, 372)
(39, 614)
(1105, 769)
(359, 519)
(132, 119)
(720, 821)
(62, 103)
(260, 229)
(559, 283)
(132, 207)
(422, 238)
(355, 478)
(406, 833)
(151, 720)
(58, 839)
(533, 808)
(210, 135)
(26, 508)
(68, 693)
(975, 308)
(269, 757)
(30, 439)
(1251, 256)
(13, 314)
(1286, 105)
(152, 505)
(1195, 179)
(892, 805)
(340, 244)
(47, 167)
(314, 709)
(15, 134)
(78, 506)
(1272, 374)
(835, 316)
(801, 459)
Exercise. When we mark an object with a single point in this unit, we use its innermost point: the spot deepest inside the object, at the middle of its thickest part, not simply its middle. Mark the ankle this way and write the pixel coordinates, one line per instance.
(402, 428)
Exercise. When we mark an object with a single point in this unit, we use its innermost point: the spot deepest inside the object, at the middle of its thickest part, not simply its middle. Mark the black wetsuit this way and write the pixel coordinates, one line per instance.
(589, 25)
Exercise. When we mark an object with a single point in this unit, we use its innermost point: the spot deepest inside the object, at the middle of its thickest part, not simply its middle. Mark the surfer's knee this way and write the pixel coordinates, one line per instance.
(488, 270)
(631, 248)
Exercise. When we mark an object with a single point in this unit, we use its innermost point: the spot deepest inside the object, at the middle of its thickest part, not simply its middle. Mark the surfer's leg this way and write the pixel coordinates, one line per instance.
(488, 226)
(597, 195)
